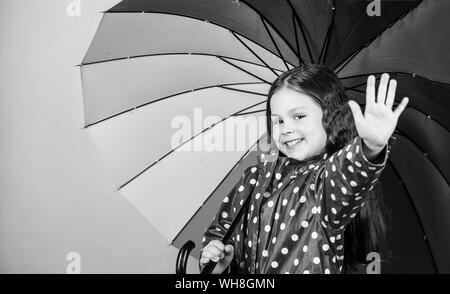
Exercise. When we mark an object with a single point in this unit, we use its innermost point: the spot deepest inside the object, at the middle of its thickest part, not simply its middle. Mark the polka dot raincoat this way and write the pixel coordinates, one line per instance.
(298, 211)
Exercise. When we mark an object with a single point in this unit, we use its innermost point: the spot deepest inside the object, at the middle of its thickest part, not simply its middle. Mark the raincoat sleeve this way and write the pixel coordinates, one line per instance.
(344, 180)
(229, 207)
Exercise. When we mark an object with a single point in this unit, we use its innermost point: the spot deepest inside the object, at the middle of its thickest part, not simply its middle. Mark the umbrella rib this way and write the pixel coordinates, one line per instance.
(264, 19)
(397, 72)
(346, 61)
(375, 37)
(254, 53)
(166, 97)
(250, 112)
(215, 189)
(416, 212)
(302, 31)
(326, 43)
(296, 37)
(274, 43)
(247, 72)
(357, 85)
(168, 54)
(190, 139)
(244, 91)
(191, 17)
(427, 156)
(353, 27)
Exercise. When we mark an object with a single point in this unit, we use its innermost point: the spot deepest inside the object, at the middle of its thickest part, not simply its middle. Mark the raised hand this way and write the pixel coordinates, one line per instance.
(378, 122)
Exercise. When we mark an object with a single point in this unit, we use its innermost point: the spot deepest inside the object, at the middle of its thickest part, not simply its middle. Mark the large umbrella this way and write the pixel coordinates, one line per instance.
(154, 65)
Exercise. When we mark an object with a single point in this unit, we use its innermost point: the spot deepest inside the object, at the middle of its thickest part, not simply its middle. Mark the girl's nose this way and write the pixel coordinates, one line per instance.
(287, 131)
(287, 127)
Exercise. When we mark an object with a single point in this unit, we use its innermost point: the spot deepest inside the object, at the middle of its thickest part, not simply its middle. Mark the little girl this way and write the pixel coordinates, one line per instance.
(330, 156)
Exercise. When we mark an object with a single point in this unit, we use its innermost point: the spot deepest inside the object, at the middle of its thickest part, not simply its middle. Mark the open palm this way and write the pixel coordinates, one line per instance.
(378, 122)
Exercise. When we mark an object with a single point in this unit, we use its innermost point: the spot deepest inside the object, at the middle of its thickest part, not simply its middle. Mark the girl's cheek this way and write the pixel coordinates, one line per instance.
(276, 136)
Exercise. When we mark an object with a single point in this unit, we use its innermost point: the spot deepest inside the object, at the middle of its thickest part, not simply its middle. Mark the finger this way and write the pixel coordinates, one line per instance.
(229, 249)
(382, 88)
(370, 90)
(401, 107)
(220, 253)
(210, 255)
(204, 261)
(217, 244)
(391, 93)
(356, 110)
(215, 251)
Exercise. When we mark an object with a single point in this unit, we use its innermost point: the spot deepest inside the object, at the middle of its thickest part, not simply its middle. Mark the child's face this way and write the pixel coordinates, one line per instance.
(297, 118)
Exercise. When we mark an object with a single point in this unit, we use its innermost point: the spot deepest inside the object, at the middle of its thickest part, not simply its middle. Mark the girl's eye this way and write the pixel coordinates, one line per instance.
(276, 122)
(298, 116)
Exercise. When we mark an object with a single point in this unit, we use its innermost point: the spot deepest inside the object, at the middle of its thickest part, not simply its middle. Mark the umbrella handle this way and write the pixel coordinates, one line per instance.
(210, 266)
(183, 256)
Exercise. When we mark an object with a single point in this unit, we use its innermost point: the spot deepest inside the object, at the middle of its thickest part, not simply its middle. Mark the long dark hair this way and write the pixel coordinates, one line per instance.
(367, 232)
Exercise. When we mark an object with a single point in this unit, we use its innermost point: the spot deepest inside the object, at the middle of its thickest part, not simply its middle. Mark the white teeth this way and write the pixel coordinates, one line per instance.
(293, 142)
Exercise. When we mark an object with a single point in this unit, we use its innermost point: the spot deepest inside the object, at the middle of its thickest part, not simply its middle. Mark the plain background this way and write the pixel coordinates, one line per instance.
(56, 195)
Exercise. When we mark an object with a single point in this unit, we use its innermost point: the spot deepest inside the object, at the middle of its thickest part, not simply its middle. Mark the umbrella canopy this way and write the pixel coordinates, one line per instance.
(156, 65)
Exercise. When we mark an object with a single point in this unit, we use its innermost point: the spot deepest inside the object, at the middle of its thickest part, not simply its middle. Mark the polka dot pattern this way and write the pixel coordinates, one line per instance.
(290, 223)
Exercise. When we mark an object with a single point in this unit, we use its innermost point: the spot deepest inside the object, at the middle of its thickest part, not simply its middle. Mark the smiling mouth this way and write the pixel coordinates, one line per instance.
(292, 143)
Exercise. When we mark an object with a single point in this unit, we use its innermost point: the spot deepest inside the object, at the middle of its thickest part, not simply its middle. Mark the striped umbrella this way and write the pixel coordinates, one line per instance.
(168, 86)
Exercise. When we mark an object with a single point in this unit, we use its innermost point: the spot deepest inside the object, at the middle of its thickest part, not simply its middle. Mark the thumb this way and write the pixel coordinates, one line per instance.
(229, 249)
(356, 110)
